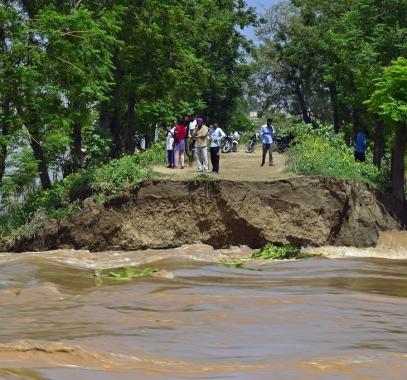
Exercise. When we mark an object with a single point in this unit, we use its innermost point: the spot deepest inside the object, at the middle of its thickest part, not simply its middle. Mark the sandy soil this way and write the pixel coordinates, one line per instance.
(237, 166)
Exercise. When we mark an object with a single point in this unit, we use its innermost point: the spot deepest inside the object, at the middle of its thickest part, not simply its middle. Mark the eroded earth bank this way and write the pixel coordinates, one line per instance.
(164, 214)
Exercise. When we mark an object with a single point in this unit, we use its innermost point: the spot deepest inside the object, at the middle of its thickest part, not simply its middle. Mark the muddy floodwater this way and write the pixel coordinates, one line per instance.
(337, 317)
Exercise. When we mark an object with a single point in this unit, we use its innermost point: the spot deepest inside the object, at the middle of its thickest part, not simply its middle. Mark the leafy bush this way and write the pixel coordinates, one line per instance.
(322, 152)
(115, 176)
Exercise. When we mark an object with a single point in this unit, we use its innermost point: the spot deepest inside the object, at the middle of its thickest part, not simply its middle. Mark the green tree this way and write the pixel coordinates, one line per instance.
(389, 100)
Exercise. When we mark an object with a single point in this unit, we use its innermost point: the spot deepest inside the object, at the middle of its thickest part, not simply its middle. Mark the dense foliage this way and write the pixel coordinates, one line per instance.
(343, 63)
(321, 151)
(81, 81)
(65, 197)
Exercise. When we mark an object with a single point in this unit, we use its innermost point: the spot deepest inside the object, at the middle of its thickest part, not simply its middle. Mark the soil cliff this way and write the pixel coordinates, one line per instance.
(164, 214)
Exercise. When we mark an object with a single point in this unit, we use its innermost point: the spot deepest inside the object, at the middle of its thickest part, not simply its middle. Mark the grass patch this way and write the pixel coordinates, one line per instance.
(322, 152)
(23, 218)
(204, 178)
(283, 252)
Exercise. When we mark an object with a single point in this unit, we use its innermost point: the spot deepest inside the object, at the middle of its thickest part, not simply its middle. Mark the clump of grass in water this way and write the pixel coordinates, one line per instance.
(283, 252)
(128, 273)
(269, 252)
(228, 264)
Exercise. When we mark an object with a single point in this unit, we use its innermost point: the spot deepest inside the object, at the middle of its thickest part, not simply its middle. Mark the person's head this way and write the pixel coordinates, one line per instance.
(269, 121)
(187, 118)
(215, 125)
(199, 121)
(180, 121)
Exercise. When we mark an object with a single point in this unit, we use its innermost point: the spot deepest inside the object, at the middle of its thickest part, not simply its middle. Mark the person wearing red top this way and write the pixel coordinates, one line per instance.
(179, 149)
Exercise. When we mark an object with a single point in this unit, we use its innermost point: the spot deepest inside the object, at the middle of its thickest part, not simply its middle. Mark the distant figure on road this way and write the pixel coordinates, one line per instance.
(215, 136)
(266, 134)
(360, 147)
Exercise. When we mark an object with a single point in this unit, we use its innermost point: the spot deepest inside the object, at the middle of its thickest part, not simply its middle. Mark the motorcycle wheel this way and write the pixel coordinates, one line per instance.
(280, 148)
(227, 147)
(250, 146)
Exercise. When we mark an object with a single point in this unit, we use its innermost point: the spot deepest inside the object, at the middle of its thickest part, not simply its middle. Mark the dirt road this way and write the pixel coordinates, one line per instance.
(238, 166)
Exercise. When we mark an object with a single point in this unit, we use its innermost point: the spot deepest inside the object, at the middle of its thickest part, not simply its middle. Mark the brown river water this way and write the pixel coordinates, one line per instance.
(338, 317)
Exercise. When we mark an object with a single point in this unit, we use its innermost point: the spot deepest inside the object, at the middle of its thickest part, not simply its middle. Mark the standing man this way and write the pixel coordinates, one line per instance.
(266, 134)
(191, 143)
(215, 136)
(360, 147)
(200, 136)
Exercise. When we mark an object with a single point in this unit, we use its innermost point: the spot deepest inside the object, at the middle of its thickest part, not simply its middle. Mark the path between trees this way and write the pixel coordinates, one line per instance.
(237, 166)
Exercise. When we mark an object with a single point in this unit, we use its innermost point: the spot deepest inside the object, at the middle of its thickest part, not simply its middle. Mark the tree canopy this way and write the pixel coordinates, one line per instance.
(84, 76)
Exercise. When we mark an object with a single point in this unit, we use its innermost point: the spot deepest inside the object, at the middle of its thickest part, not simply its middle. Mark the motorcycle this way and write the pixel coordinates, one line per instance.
(230, 144)
(227, 144)
(250, 146)
(281, 143)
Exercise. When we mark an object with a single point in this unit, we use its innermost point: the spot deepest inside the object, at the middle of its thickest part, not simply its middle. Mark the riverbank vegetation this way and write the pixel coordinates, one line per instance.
(21, 218)
(321, 151)
(341, 63)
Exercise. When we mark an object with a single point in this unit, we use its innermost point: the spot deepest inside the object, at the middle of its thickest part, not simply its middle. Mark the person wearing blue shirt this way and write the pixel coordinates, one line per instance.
(215, 136)
(266, 134)
(360, 147)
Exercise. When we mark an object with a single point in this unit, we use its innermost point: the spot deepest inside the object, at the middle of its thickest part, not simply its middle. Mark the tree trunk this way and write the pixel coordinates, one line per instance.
(333, 94)
(61, 5)
(301, 100)
(116, 148)
(76, 148)
(4, 127)
(4, 134)
(129, 143)
(77, 153)
(378, 150)
(397, 164)
(357, 125)
(42, 164)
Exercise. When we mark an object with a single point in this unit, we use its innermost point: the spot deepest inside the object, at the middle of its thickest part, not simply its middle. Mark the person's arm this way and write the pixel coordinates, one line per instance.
(193, 136)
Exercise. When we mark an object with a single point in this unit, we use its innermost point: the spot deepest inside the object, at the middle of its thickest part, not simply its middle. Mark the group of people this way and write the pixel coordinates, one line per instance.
(187, 136)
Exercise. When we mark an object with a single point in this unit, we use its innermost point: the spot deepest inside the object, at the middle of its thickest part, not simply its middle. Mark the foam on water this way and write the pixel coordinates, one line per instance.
(391, 245)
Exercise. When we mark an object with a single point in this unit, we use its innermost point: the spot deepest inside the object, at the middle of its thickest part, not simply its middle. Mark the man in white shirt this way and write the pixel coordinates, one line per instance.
(266, 134)
(191, 143)
(215, 136)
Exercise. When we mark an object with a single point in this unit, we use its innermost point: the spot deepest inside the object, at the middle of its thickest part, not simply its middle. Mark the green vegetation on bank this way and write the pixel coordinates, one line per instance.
(22, 218)
(321, 151)
(343, 63)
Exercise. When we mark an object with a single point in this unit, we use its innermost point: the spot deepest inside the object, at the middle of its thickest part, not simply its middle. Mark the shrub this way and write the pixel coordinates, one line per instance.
(103, 181)
(322, 152)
